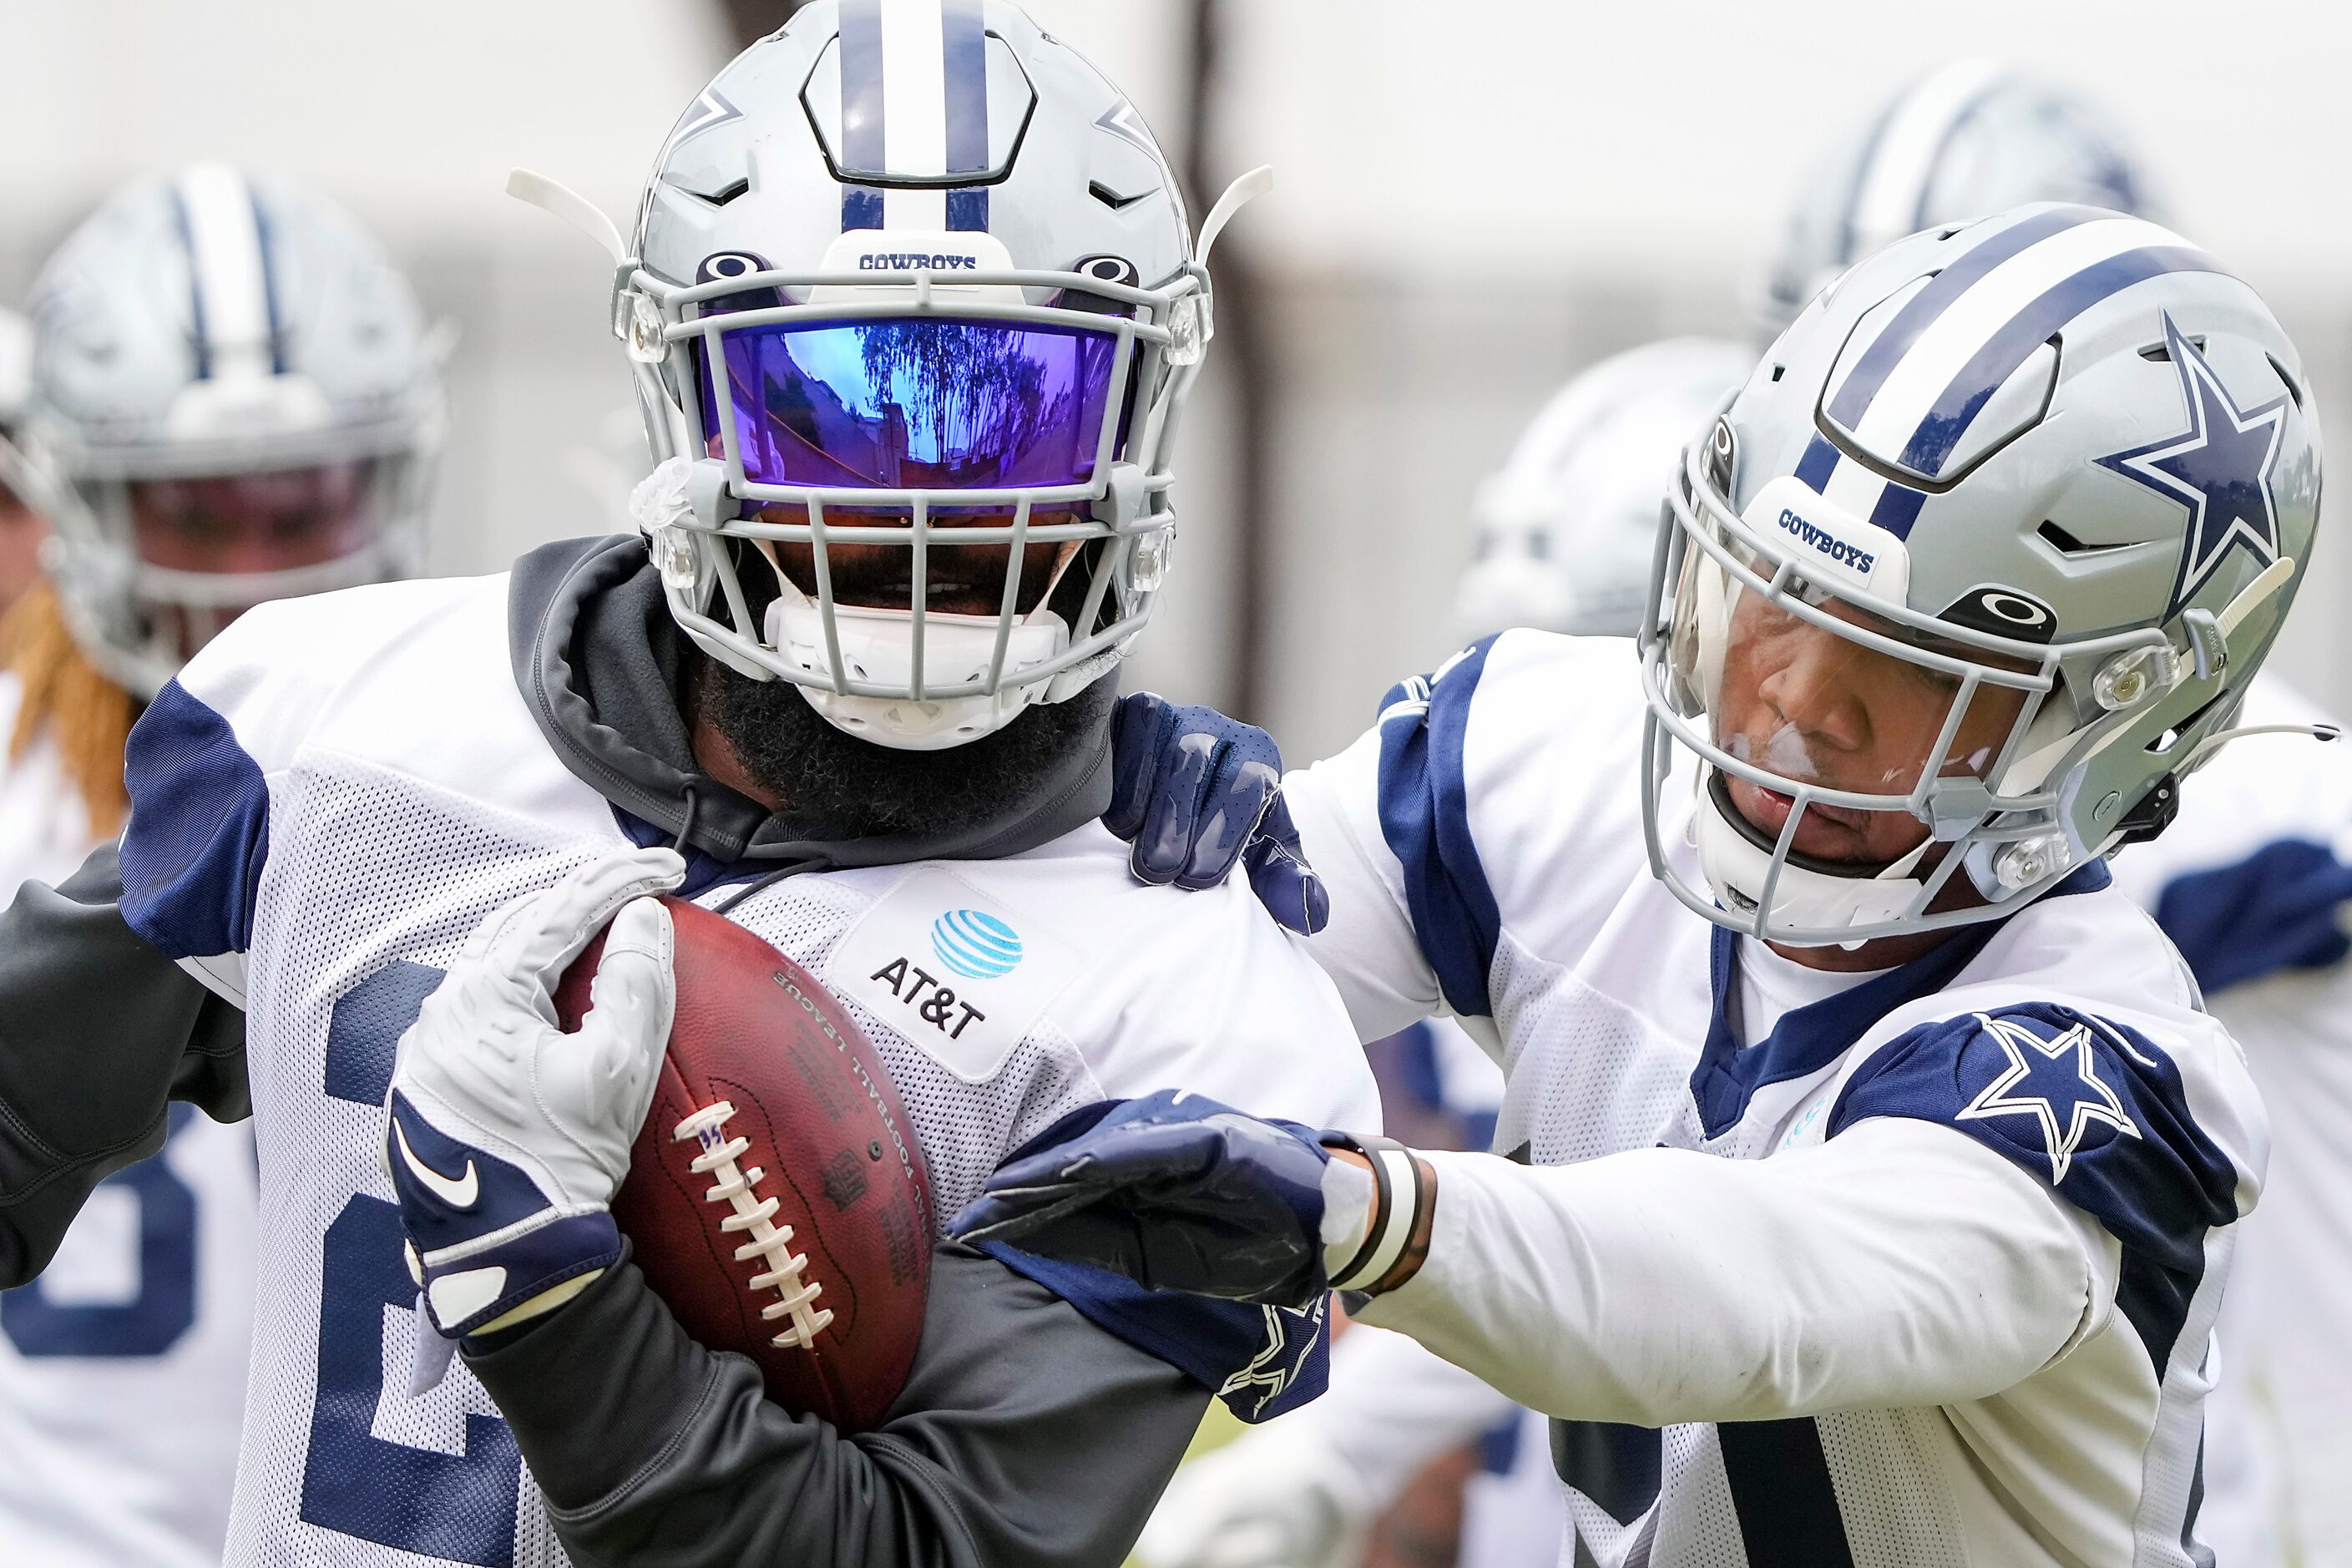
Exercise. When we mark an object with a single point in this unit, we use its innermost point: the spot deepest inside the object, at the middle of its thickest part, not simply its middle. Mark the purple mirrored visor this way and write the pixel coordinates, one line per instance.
(927, 402)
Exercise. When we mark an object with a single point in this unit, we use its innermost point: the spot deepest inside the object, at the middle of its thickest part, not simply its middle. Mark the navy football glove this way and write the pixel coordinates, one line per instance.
(1178, 1192)
(1197, 792)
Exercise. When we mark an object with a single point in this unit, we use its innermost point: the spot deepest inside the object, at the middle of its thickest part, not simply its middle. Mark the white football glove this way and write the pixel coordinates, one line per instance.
(1279, 1496)
(506, 1138)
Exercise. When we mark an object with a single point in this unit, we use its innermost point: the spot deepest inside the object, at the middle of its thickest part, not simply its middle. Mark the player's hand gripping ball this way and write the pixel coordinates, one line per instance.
(776, 1196)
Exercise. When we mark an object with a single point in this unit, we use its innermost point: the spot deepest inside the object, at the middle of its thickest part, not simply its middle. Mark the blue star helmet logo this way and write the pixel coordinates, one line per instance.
(2220, 469)
(2056, 1082)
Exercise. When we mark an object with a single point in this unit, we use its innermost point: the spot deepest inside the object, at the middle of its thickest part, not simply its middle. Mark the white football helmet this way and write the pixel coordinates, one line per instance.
(1977, 566)
(232, 399)
(1970, 140)
(914, 306)
(1567, 526)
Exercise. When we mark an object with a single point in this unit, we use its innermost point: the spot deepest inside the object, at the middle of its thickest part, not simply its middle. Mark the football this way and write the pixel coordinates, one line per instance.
(776, 1196)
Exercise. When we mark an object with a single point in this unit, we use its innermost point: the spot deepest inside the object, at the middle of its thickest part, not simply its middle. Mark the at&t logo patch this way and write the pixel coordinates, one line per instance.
(959, 974)
(975, 945)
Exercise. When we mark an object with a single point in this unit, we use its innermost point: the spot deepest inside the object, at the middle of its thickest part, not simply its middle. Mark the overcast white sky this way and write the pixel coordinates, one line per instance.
(1555, 152)
(1410, 133)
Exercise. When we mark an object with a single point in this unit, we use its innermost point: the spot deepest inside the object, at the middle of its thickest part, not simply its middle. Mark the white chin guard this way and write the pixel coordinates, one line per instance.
(1801, 899)
(878, 649)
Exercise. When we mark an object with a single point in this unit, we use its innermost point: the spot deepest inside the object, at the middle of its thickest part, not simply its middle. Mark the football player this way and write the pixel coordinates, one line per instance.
(2247, 885)
(1918, 1167)
(1564, 530)
(912, 308)
(230, 403)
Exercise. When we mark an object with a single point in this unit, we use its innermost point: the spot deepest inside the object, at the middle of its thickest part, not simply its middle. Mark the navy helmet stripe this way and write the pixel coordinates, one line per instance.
(269, 286)
(199, 335)
(1878, 362)
(965, 37)
(862, 109)
(1818, 463)
(1897, 509)
(1940, 431)
(968, 210)
(966, 41)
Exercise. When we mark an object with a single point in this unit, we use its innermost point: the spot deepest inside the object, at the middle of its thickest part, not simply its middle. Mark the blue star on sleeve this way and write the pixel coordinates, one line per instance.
(2095, 1110)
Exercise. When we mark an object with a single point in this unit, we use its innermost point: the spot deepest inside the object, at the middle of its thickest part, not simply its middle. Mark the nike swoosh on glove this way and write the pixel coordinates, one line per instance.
(506, 1138)
(1198, 793)
(1175, 1190)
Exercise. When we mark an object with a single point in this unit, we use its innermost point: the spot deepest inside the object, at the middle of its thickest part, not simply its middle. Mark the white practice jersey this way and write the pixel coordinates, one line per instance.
(122, 1367)
(1510, 1505)
(347, 785)
(2037, 1107)
(2250, 884)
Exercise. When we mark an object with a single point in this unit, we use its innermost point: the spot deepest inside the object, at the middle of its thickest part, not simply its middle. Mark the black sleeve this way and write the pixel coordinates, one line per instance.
(1026, 1438)
(97, 1032)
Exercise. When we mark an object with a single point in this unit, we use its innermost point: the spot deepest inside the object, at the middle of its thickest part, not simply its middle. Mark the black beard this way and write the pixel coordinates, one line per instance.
(831, 783)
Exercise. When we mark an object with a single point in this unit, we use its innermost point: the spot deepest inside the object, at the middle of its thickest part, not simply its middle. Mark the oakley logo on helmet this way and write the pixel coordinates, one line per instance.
(1110, 269)
(728, 263)
(2004, 613)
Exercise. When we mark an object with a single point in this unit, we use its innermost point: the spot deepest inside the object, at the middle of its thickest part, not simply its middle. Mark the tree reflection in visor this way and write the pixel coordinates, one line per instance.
(930, 403)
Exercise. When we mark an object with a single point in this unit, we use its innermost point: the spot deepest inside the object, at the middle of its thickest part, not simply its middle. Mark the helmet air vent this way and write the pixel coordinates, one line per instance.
(2288, 379)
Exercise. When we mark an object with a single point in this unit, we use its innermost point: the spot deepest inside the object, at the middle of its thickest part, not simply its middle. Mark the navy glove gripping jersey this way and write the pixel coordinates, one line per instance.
(334, 793)
(1960, 1315)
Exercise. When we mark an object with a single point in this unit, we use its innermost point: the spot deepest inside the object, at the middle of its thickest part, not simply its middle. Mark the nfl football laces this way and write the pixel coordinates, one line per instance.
(736, 1185)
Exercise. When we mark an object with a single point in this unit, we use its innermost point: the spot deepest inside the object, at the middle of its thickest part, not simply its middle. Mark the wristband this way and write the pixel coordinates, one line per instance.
(1403, 1212)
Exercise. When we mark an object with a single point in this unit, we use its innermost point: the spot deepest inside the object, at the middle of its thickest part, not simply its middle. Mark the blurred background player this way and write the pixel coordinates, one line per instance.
(229, 400)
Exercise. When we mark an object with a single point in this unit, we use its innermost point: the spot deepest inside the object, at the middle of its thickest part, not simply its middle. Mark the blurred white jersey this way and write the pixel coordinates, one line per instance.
(1485, 856)
(2251, 883)
(122, 1367)
(344, 786)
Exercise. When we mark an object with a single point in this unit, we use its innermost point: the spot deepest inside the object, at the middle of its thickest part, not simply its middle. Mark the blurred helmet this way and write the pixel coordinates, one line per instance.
(1567, 526)
(230, 401)
(1972, 570)
(1967, 141)
(915, 311)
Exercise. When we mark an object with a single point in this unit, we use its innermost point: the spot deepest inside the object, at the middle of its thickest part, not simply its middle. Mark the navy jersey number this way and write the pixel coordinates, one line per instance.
(162, 1308)
(457, 1508)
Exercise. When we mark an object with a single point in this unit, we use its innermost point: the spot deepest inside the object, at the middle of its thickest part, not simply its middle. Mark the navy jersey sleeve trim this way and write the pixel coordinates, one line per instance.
(199, 831)
(1425, 818)
(2275, 909)
(2091, 1106)
(1262, 1360)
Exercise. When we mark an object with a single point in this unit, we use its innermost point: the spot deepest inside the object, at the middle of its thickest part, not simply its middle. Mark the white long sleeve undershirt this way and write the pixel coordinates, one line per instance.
(1899, 1264)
